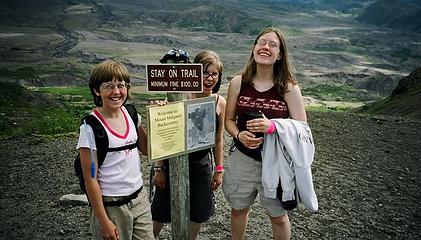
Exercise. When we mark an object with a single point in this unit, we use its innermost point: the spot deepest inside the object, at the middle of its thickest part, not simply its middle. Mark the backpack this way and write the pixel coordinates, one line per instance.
(101, 141)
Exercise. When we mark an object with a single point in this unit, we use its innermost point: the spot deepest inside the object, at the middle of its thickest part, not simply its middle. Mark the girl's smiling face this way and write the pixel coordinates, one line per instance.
(267, 49)
(210, 78)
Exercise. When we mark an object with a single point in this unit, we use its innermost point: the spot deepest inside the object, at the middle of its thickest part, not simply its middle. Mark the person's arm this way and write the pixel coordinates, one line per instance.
(295, 103)
(160, 179)
(107, 228)
(143, 140)
(219, 144)
(232, 95)
(245, 137)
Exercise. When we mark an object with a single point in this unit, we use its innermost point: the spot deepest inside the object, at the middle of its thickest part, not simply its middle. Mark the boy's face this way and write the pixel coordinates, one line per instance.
(113, 94)
(172, 61)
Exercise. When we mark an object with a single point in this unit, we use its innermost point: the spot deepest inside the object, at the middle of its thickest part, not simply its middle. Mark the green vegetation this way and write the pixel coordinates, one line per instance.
(149, 96)
(333, 92)
(27, 112)
(328, 108)
(404, 105)
(42, 121)
(377, 106)
(82, 91)
(49, 111)
(19, 73)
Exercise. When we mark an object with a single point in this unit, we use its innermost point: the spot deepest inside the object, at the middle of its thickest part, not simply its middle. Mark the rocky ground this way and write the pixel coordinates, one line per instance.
(366, 174)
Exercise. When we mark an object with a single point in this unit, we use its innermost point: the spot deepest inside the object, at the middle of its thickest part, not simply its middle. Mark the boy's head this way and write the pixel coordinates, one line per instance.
(175, 55)
(107, 71)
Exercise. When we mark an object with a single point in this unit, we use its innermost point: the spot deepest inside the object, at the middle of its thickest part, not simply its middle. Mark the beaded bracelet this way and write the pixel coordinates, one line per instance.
(159, 168)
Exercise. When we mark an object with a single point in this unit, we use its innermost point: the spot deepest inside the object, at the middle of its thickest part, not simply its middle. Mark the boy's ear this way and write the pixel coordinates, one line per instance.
(97, 92)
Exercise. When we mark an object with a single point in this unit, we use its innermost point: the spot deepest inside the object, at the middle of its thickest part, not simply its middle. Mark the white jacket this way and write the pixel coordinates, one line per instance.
(287, 154)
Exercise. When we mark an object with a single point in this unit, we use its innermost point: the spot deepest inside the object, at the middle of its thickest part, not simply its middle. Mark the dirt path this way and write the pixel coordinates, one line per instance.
(366, 175)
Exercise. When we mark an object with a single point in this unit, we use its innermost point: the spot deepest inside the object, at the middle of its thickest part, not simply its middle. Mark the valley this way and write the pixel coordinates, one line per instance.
(366, 168)
(325, 46)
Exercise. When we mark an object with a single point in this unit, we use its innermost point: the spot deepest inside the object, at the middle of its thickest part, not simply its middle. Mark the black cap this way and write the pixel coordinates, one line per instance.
(177, 55)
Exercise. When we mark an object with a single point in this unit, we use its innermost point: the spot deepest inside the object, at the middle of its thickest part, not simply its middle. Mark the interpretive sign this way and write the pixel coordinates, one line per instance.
(166, 130)
(181, 127)
(174, 77)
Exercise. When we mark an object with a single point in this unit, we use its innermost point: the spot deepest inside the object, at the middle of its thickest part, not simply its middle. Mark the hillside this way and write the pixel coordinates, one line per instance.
(366, 177)
(397, 14)
(404, 100)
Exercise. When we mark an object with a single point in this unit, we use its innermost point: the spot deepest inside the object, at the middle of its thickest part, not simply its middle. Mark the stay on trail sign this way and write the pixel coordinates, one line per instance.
(174, 77)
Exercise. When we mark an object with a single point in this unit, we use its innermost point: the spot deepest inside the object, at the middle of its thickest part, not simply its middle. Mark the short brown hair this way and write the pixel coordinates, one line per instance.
(106, 71)
(207, 58)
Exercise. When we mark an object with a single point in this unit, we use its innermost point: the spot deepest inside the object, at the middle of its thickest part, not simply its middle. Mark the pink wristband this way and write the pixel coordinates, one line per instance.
(219, 168)
(271, 128)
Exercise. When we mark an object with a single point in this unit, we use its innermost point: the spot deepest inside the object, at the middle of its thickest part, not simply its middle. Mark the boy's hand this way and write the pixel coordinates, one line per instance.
(109, 231)
(160, 179)
(158, 102)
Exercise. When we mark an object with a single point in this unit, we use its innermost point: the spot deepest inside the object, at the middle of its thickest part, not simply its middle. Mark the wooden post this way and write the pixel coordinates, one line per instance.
(180, 189)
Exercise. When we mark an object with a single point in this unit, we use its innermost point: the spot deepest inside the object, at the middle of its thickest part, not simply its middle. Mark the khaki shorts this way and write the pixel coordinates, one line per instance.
(133, 220)
(243, 181)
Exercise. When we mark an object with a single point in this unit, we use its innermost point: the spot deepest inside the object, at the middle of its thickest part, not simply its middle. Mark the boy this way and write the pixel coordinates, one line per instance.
(120, 209)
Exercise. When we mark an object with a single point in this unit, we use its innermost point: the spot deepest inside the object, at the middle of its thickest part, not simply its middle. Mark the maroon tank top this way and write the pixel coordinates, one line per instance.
(270, 102)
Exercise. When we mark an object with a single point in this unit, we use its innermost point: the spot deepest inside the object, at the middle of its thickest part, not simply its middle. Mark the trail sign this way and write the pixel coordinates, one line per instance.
(181, 127)
(174, 77)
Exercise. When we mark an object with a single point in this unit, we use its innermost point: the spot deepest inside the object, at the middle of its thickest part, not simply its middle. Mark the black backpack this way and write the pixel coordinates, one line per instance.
(101, 141)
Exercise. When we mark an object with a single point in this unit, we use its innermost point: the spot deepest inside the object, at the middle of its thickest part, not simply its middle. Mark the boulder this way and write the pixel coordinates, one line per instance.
(74, 200)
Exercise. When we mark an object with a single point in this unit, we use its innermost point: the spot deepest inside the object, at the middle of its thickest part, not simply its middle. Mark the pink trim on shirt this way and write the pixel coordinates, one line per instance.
(109, 128)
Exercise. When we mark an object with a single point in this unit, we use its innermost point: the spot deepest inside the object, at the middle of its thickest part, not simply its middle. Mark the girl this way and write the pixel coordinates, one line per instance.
(266, 86)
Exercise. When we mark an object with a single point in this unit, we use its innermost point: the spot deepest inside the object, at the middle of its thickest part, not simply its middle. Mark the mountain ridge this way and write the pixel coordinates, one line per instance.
(397, 14)
(404, 100)
(324, 40)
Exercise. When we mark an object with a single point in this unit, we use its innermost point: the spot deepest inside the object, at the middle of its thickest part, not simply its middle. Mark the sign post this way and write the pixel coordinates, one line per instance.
(180, 189)
(176, 79)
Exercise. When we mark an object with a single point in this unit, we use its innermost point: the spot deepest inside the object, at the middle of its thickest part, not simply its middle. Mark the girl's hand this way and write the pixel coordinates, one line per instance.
(249, 139)
(258, 125)
(216, 180)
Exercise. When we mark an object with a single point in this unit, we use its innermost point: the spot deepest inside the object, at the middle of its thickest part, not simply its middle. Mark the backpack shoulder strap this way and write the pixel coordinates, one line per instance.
(133, 113)
(101, 137)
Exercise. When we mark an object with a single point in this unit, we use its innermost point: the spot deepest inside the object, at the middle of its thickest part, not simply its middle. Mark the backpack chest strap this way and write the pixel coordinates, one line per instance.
(126, 147)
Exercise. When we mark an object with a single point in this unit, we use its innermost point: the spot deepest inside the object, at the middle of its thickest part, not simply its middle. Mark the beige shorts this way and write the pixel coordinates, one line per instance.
(133, 220)
(243, 181)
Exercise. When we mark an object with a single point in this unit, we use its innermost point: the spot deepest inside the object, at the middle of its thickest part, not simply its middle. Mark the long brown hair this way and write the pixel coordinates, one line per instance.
(281, 68)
